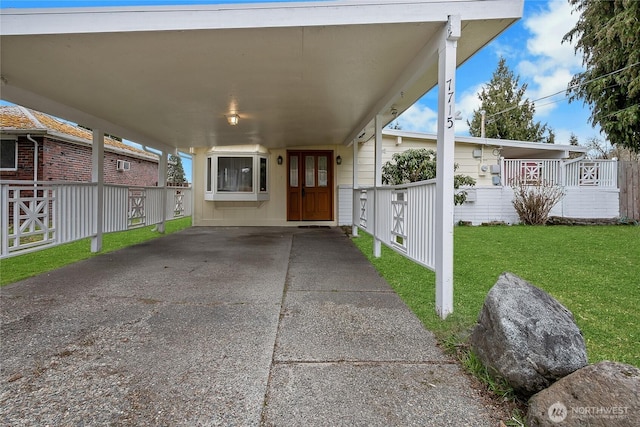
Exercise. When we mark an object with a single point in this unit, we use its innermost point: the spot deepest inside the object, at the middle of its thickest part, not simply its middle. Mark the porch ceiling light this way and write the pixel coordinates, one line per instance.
(233, 119)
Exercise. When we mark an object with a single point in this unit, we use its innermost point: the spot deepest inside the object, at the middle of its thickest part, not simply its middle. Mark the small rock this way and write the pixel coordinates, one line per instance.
(526, 336)
(603, 394)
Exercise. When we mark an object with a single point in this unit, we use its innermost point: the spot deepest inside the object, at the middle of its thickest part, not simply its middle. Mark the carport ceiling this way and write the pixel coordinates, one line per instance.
(297, 74)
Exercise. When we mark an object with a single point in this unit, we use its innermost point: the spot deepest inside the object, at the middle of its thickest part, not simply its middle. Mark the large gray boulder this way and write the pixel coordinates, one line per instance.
(526, 336)
(606, 394)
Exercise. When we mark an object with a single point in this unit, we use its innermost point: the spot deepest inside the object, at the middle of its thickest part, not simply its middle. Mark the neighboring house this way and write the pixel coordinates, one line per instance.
(476, 157)
(64, 152)
(590, 186)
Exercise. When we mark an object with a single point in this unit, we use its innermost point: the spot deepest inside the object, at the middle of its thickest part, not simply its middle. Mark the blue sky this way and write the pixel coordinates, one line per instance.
(532, 48)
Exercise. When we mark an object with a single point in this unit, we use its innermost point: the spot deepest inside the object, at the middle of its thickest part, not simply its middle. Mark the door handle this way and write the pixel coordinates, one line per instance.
(303, 192)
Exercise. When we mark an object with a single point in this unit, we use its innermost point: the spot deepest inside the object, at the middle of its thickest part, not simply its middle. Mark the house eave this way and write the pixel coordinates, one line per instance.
(77, 141)
(491, 142)
(243, 15)
(327, 68)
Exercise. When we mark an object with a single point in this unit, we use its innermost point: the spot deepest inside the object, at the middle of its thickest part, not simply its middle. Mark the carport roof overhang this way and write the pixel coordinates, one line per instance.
(297, 74)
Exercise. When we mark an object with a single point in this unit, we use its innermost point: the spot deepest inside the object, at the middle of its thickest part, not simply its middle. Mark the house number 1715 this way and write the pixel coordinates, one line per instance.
(450, 94)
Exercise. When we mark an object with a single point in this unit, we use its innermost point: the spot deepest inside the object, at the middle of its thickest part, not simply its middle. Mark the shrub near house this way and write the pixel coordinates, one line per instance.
(415, 165)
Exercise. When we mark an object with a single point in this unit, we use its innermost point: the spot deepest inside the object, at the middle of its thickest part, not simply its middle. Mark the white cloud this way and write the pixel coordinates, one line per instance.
(549, 89)
(584, 135)
(548, 28)
(467, 103)
(503, 50)
(419, 118)
(551, 63)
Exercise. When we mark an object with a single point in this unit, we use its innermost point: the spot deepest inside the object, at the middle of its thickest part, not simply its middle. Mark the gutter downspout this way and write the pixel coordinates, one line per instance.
(35, 158)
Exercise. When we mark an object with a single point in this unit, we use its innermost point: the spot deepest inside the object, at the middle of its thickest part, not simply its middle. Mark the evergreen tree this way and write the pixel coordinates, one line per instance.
(175, 171)
(607, 34)
(573, 139)
(508, 114)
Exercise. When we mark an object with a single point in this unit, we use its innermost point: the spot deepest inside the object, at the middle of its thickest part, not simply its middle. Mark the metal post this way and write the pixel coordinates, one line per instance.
(445, 165)
(97, 177)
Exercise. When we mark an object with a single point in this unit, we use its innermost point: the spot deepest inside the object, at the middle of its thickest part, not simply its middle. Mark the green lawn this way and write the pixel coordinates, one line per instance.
(31, 264)
(593, 271)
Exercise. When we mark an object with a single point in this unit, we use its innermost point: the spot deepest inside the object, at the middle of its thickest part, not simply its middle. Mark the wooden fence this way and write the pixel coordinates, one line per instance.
(629, 182)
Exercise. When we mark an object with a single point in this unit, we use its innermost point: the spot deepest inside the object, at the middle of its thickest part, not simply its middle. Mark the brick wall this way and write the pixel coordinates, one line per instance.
(142, 172)
(25, 161)
(63, 161)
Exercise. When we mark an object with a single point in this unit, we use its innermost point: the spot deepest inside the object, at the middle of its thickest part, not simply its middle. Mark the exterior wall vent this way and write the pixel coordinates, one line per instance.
(123, 165)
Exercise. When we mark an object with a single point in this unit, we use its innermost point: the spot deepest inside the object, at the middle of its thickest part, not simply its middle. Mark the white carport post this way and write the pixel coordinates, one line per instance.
(355, 205)
(162, 182)
(445, 165)
(377, 244)
(97, 177)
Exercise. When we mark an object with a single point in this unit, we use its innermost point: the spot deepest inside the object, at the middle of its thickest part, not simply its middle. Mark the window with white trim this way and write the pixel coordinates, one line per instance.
(237, 177)
(8, 154)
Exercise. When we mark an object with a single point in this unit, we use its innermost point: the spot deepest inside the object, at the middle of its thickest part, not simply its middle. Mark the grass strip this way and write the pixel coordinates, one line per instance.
(31, 264)
(593, 270)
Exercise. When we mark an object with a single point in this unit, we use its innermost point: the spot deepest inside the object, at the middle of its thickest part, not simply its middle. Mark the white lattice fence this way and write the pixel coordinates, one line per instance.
(75, 211)
(116, 207)
(28, 223)
(361, 208)
(404, 218)
(34, 216)
(531, 171)
(136, 212)
(568, 173)
(181, 205)
(398, 218)
(592, 173)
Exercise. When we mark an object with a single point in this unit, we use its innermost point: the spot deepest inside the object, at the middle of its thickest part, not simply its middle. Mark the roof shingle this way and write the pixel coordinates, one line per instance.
(21, 118)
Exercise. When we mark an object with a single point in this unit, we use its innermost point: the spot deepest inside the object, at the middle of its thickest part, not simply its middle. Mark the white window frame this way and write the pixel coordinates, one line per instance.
(15, 160)
(213, 193)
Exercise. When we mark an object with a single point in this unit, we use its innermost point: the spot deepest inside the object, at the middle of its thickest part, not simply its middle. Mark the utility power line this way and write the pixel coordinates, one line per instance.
(564, 97)
(620, 111)
(567, 89)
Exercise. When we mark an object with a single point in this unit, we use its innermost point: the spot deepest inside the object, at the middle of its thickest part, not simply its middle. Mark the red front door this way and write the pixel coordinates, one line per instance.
(310, 186)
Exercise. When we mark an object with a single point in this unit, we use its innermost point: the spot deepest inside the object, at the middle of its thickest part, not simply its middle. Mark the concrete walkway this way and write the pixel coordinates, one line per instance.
(224, 326)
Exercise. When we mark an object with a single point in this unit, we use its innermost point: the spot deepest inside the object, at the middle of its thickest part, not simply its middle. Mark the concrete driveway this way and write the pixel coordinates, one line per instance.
(224, 326)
